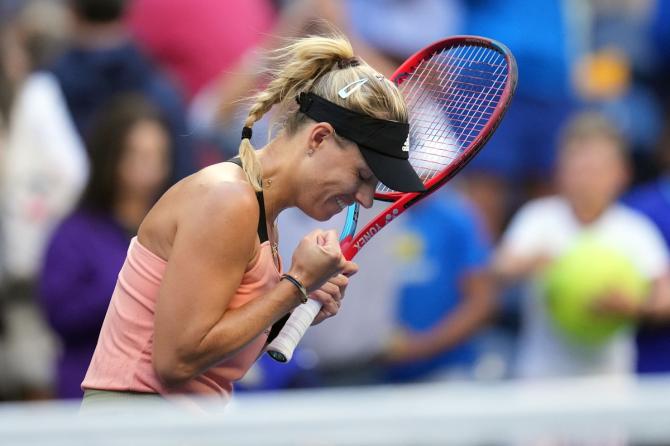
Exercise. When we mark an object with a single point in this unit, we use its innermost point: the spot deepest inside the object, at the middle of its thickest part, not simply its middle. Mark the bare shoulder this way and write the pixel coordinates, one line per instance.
(220, 187)
(215, 201)
(217, 197)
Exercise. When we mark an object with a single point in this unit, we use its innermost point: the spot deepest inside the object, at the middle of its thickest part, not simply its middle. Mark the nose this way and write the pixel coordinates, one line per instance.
(365, 195)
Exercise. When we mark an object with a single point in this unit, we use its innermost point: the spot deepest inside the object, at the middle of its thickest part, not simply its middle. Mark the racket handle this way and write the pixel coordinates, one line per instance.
(281, 348)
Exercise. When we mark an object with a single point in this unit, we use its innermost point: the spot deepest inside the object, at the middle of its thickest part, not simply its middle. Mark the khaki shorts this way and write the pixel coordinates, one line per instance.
(96, 401)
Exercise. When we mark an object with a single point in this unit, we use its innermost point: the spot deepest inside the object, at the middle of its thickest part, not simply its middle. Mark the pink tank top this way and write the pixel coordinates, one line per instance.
(122, 358)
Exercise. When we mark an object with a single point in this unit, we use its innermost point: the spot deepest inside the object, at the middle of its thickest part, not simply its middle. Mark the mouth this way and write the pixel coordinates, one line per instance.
(342, 202)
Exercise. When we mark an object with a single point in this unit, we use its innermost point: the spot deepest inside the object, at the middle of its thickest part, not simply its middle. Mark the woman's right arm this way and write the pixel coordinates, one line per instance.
(522, 251)
(214, 243)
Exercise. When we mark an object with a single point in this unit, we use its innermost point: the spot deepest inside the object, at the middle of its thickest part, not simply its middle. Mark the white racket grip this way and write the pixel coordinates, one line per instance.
(281, 348)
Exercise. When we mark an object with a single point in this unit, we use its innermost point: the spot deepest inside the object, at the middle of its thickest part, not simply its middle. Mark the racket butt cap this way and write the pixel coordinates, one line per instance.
(277, 356)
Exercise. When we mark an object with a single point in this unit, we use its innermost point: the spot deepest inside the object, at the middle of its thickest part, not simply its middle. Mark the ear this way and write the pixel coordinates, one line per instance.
(320, 133)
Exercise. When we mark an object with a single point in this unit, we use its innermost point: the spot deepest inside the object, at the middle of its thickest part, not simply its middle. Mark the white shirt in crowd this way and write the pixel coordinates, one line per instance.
(548, 227)
(44, 170)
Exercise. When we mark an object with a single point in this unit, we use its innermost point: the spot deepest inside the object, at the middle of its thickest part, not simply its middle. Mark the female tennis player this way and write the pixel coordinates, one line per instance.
(202, 283)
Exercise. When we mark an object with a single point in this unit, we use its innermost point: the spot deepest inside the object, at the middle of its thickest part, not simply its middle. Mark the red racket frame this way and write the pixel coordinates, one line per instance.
(402, 201)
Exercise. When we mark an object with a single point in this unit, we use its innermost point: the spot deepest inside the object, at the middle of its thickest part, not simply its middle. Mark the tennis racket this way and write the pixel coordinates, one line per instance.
(457, 91)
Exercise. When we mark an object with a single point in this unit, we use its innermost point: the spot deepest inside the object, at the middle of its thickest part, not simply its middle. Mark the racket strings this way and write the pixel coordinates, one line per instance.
(445, 98)
(451, 97)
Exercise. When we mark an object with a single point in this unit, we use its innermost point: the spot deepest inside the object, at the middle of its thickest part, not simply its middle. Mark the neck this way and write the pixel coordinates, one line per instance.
(278, 189)
(96, 35)
(587, 213)
(130, 211)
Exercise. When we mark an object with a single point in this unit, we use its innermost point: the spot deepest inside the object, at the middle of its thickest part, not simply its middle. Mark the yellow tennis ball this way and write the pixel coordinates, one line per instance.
(582, 275)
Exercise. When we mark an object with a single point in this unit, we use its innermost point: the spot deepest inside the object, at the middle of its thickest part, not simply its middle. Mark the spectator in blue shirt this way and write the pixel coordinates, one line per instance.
(446, 296)
(103, 62)
(653, 200)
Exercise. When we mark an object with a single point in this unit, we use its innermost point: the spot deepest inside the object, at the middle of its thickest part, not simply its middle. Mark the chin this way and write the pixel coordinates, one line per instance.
(322, 214)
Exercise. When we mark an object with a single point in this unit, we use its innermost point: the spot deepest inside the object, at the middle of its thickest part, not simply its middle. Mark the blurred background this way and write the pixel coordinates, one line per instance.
(545, 259)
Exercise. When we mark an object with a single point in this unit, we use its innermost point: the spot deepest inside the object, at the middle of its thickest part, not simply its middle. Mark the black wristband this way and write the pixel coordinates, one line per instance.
(298, 285)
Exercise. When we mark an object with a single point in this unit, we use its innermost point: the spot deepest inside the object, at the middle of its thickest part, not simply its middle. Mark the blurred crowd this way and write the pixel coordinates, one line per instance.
(106, 103)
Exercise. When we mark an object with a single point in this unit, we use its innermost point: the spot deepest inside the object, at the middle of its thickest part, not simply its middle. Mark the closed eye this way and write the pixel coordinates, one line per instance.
(365, 176)
(369, 179)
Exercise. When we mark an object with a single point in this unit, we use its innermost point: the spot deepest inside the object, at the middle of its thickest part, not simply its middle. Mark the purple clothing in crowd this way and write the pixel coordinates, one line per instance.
(79, 274)
(653, 343)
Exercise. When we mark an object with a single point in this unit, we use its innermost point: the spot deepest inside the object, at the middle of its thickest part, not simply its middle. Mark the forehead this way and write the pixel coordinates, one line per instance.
(593, 146)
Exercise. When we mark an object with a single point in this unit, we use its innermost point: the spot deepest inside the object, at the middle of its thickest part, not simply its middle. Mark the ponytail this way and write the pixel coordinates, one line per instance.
(300, 63)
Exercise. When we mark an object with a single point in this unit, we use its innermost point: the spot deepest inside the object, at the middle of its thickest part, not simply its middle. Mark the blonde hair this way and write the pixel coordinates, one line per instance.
(321, 65)
(589, 125)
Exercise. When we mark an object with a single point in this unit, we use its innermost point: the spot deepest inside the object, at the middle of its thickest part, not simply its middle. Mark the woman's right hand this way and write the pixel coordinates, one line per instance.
(317, 258)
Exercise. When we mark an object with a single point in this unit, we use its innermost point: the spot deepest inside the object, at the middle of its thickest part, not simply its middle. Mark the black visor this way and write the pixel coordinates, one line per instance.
(381, 142)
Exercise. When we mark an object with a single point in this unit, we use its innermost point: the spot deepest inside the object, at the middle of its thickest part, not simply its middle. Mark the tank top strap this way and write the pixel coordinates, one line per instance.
(263, 236)
(262, 221)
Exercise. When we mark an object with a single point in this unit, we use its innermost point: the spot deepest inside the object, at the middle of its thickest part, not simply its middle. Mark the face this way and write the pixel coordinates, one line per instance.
(592, 172)
(145, 163)
(335, 174)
